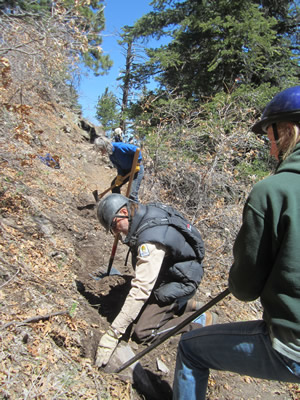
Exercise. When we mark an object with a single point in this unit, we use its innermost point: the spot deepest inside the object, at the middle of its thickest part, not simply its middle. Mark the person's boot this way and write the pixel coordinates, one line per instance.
(206, 319)
(193, 305)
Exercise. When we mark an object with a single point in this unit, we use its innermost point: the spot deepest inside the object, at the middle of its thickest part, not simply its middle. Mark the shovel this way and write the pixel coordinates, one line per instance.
(117, 235)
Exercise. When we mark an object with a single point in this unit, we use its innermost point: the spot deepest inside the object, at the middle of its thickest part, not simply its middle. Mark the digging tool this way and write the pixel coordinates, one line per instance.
(174, 330)
(115, 244)
(87, 207)
(97, 196)
(132, 172)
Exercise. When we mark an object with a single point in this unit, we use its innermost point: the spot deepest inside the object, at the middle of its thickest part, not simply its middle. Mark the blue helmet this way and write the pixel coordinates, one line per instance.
(285, 106)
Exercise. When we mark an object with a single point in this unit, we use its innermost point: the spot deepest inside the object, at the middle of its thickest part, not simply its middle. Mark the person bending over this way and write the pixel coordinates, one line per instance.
(167, 253)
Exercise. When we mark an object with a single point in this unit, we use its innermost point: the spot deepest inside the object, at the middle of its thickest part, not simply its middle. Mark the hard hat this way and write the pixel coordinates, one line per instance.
(109, 207)
(285, 106)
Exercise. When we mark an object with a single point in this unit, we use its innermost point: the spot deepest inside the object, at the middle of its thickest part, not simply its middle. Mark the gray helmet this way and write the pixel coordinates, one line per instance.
(109, 207)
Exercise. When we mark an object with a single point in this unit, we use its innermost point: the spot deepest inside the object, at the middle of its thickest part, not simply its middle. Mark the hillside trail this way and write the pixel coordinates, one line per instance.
(51, 247)
(108, 294)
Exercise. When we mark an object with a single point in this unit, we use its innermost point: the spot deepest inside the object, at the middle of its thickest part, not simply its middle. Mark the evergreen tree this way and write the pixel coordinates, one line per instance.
(126, 79)
(214, 44)
(106, 110)
(93, 24)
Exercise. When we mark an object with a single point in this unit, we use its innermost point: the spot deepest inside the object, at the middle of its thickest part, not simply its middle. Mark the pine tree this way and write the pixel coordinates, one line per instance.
(214, 44)
(106, 110)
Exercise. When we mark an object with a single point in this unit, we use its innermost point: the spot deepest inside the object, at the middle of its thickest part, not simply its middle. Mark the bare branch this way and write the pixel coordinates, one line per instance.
(37, 318)
(7, 282)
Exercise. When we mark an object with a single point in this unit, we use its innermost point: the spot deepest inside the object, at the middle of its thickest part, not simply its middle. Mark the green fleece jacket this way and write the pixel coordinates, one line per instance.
(267, 254)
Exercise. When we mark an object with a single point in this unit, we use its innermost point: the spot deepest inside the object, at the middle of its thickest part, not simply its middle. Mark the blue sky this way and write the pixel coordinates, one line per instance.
(117, 14)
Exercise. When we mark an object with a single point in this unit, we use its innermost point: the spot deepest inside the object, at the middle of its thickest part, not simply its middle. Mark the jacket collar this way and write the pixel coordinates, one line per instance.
(292, 162)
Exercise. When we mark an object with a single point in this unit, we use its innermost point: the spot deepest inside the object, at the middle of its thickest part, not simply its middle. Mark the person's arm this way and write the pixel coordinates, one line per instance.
(149, 261)
(252, 254)
(114, 158)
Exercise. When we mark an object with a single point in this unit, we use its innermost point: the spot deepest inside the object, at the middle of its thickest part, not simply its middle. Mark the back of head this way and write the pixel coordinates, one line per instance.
(118, 131)
(108, 208)
(285, 106)
(103, 143)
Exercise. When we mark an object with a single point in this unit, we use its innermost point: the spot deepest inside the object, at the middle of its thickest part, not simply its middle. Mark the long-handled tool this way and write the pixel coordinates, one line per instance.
(97, 196)
(132, 172)
(174, 330)
(115, 244)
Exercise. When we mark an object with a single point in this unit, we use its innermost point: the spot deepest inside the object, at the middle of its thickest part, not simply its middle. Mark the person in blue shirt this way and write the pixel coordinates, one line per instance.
(121, 155)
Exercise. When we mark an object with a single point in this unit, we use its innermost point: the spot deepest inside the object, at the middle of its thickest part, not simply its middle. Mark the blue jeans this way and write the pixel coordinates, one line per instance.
(136, 183)
(241, 347)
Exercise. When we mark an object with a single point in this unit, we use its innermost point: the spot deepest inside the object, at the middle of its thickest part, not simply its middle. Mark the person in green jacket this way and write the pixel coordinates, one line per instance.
(266, 266)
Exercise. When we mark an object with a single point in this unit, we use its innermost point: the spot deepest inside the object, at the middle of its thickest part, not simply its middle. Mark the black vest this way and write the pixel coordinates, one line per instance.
(181, 270)
(159, 223)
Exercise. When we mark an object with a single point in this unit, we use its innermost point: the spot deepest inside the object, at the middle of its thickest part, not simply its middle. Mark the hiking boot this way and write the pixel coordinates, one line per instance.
(193, 305)
(206, 319)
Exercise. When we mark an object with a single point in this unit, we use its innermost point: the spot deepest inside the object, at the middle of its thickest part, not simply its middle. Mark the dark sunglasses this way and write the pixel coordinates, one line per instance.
(114, 221)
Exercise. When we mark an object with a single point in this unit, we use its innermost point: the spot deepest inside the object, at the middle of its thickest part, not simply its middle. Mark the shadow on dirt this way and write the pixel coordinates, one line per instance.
(150, 385)
(106, 295)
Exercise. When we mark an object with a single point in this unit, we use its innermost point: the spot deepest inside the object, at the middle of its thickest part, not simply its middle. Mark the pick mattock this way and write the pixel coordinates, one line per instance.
(99, 196)
(174, 330)
(132, 172)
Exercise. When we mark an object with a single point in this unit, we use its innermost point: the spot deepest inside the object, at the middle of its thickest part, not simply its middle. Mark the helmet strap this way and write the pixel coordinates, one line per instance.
(275, 131)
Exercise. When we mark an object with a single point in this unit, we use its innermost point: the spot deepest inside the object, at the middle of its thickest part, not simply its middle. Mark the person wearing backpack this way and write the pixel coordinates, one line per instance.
(167, 254)
(266, 265)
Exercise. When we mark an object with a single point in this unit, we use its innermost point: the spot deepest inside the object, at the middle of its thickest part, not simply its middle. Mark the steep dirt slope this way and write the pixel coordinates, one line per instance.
(41, 229)
(52, 310)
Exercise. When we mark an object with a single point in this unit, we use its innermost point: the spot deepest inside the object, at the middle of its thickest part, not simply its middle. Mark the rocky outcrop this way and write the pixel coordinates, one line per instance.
(91, 131)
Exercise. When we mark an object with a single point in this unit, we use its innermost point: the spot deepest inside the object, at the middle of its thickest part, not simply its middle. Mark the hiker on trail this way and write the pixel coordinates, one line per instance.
(118, 135)
(121, 155)
(167, 253)
(266, 265)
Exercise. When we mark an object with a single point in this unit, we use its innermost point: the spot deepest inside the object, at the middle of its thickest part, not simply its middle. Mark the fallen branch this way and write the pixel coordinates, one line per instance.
(34, 319)
(10, 279)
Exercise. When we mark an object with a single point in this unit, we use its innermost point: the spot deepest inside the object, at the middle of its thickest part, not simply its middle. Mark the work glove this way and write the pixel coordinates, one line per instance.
(107, 345)
(137, 168)
(119, 180)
